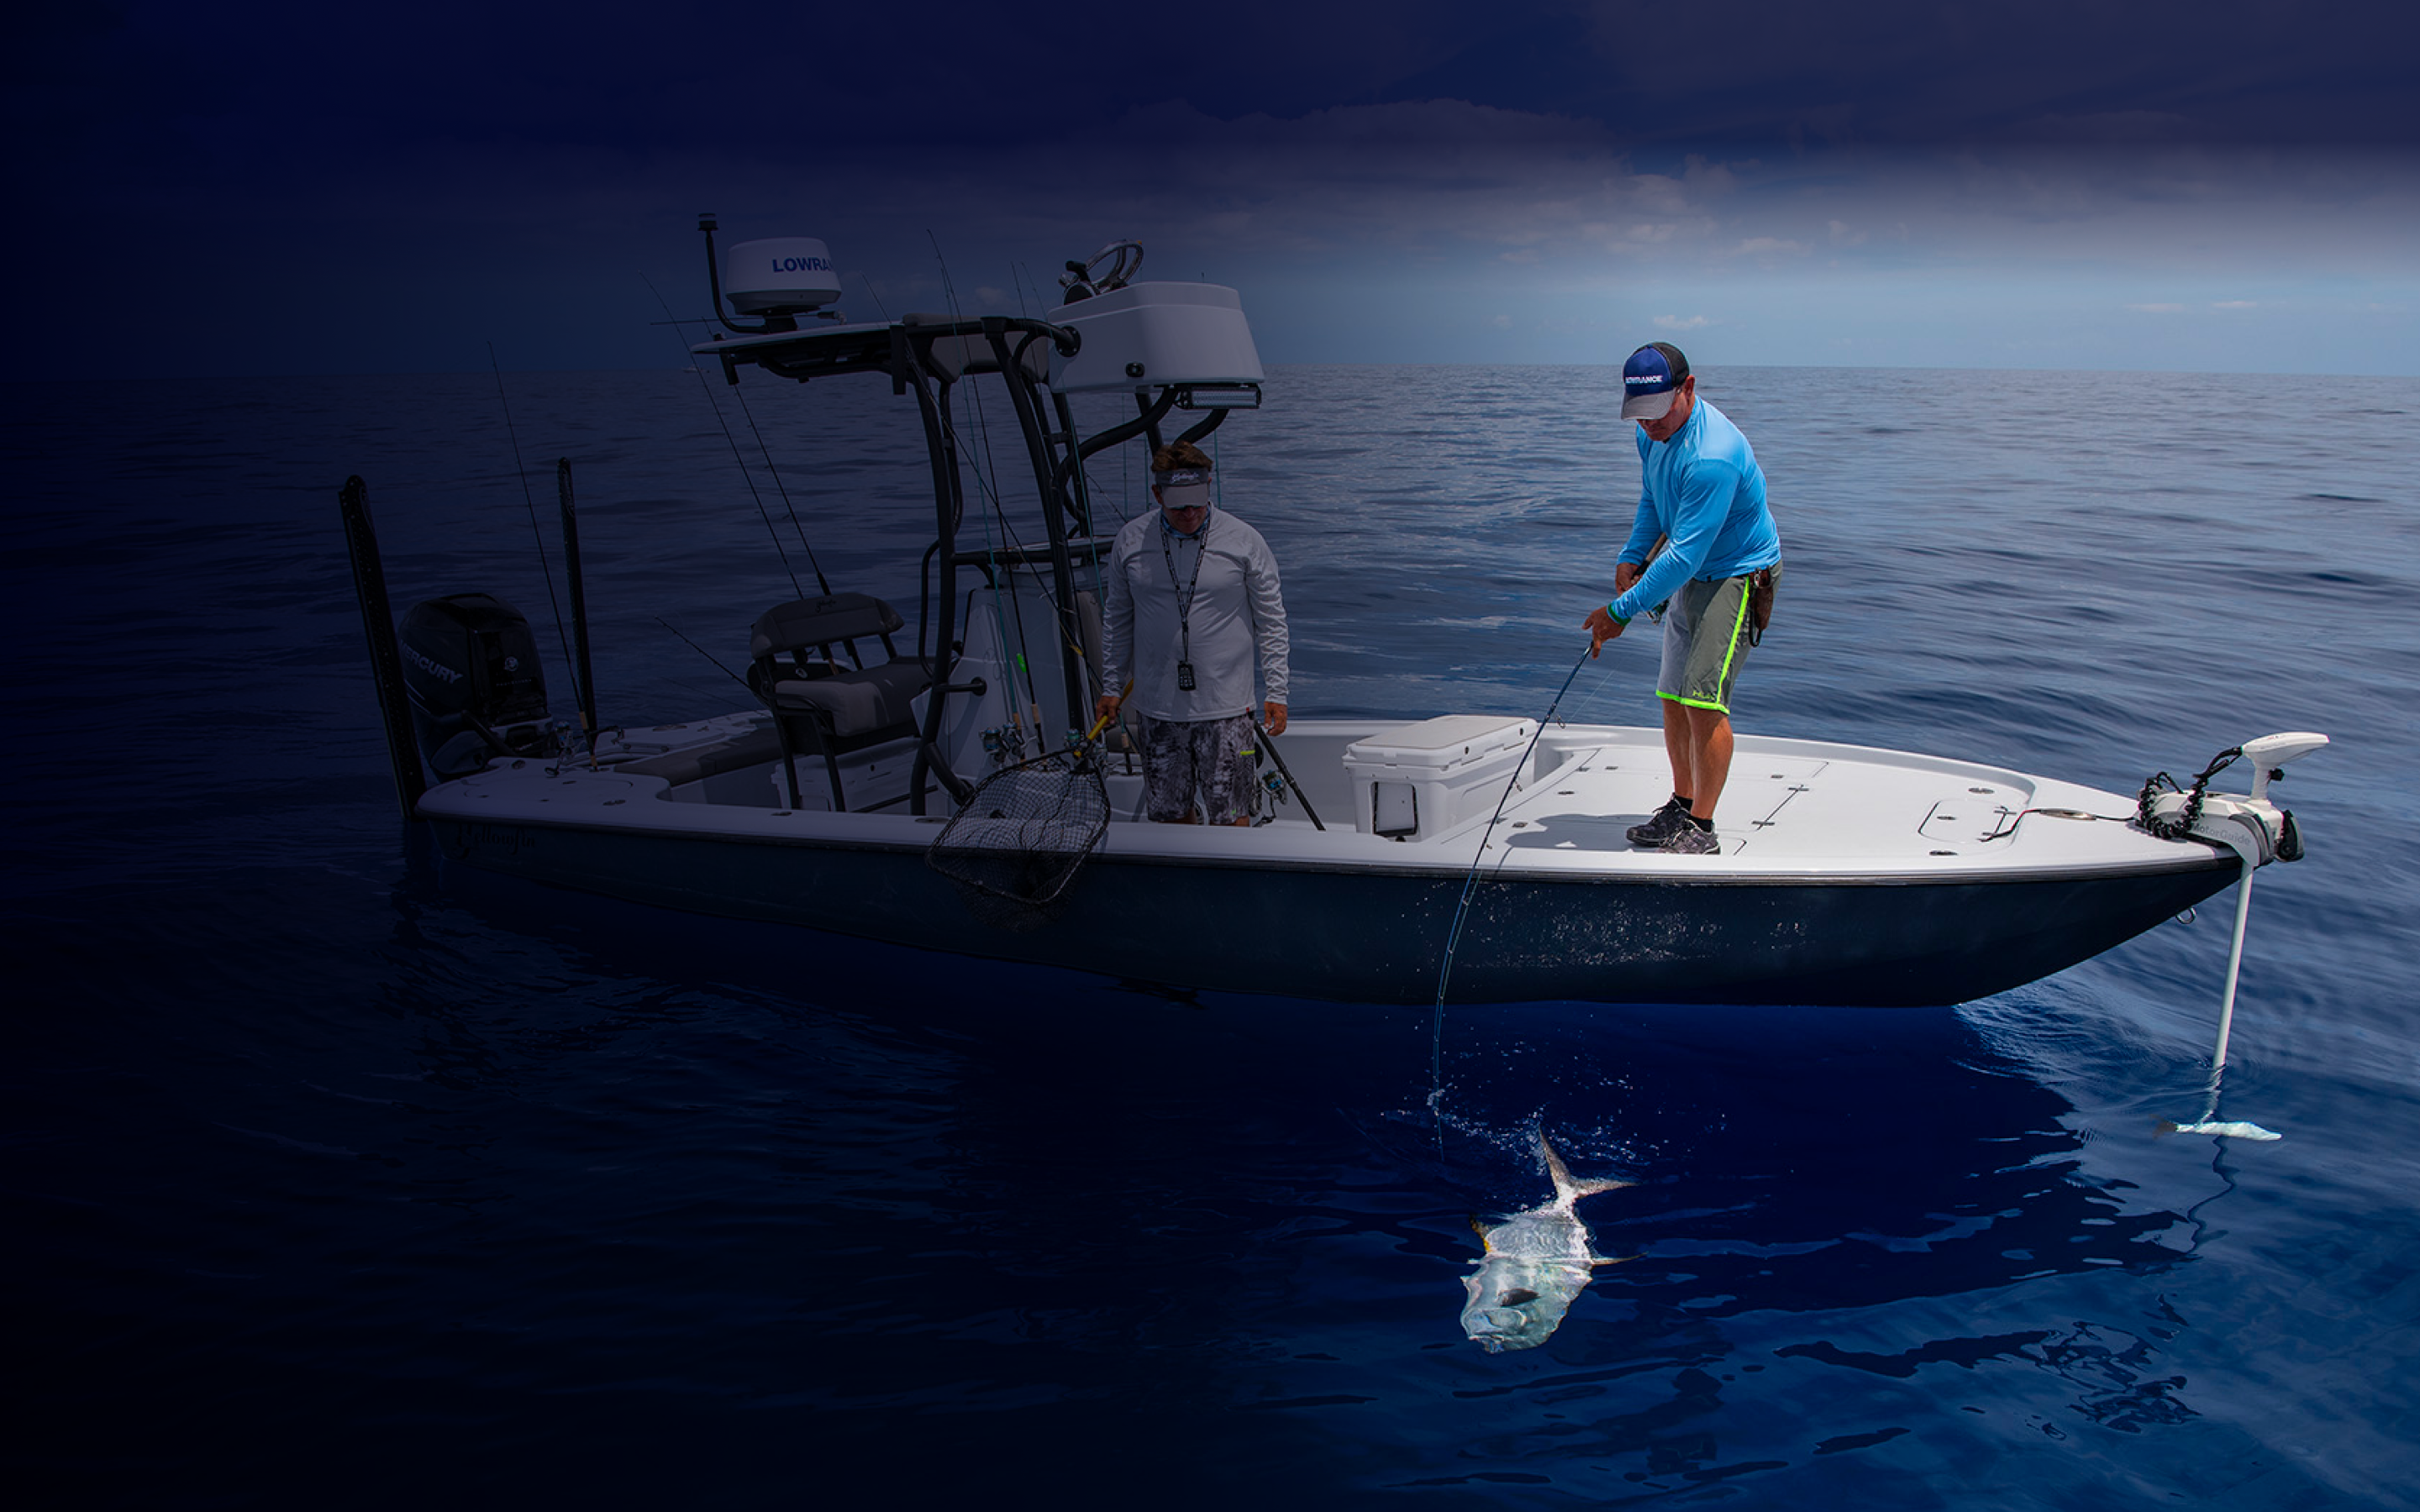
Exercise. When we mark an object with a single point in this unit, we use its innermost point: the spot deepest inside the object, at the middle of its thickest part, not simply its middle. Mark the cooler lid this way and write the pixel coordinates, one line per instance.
(1447, 740)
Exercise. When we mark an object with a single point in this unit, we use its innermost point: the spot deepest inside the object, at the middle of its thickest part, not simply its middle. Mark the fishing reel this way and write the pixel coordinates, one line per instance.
(1005, 743)
(1081, 281)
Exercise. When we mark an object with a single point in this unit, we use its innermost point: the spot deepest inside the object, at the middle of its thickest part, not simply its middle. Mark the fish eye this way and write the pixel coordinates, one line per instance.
(1515, 1297)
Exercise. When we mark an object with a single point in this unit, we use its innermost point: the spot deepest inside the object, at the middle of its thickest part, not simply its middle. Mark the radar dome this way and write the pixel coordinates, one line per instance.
(783, 275)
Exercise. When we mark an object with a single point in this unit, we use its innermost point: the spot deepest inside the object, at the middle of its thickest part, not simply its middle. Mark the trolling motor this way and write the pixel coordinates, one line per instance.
(2258, 831)
(471, 673)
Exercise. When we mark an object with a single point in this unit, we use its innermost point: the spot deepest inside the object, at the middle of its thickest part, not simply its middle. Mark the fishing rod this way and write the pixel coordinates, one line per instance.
(1270, 745)
(821, 581)
(987, 483)
(750, 478)
(530, 499)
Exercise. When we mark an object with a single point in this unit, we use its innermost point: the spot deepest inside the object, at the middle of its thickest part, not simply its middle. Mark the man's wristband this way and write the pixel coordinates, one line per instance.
(1616, 618)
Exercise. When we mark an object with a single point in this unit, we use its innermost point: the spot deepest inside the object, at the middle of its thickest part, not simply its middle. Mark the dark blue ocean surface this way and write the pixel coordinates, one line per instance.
(337, 1178)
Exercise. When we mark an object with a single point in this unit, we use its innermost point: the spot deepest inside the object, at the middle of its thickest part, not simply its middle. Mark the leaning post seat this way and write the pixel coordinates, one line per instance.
(806, 663)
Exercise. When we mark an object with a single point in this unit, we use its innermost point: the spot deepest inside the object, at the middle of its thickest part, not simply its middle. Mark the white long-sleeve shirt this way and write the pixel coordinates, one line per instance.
(1236, 611)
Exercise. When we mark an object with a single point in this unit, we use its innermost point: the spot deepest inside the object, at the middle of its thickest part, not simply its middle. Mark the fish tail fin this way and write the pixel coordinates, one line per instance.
(1555, 1172)
(1567, 1190)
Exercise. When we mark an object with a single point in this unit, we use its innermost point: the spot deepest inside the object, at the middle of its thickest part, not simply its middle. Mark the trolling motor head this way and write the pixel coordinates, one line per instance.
(2251, 826)
(2270, 752)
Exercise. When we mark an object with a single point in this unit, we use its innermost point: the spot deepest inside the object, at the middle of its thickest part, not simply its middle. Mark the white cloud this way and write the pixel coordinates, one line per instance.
(1760, 244)
(1843, 237)
(1674, 322)
(2235, 305)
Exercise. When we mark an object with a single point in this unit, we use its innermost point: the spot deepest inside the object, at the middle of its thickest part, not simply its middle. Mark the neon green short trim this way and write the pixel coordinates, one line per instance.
(1705, 641)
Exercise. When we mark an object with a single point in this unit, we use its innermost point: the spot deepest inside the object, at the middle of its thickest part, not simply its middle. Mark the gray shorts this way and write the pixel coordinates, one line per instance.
(1181, 757)
(1705, 640)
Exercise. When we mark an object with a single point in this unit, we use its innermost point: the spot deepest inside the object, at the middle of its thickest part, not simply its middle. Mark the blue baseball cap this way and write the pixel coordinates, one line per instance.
(1650, 379)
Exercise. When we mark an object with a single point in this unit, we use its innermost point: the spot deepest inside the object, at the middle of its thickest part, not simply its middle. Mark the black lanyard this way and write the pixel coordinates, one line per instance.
(1184, 594)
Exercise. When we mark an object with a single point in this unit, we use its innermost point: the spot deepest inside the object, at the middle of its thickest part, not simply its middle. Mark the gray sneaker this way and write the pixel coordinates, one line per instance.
(1691, 841)
(1661, 826)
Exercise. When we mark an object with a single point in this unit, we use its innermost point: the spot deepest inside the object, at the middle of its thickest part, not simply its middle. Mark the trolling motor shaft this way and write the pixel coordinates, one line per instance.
(2258, 831)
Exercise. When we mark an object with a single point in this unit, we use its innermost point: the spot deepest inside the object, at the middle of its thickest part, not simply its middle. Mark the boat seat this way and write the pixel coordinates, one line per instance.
(806, 665)
(856, 703)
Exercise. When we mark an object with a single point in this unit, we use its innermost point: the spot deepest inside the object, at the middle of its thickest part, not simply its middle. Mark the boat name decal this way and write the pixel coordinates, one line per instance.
(434, 668)
(509, 838)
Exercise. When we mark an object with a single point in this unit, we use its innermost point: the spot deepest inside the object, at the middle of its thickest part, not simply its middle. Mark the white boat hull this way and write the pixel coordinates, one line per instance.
(1849, 876)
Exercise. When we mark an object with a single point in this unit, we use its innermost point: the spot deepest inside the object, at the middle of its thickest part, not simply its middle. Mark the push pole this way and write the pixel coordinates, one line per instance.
(386, 664)
(587, 687)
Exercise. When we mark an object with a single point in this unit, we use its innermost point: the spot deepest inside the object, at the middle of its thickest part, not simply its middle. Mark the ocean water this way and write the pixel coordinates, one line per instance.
(337, 1178)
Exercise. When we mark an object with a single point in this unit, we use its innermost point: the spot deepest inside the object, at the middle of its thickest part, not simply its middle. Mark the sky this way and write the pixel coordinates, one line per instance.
(2126, 184)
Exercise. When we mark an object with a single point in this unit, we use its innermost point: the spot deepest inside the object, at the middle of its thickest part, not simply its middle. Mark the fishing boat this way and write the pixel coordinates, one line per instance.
(1491, 842)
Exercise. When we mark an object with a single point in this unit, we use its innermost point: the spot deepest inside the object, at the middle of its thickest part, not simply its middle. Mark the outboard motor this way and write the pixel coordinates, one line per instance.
(470, 668)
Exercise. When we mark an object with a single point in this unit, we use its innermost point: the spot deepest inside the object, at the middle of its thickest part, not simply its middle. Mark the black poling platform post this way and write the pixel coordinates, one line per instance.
(386, 664)
(588, 684)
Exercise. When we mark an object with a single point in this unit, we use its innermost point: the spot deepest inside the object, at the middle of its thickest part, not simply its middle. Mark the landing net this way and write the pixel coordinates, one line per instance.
(1017, 840)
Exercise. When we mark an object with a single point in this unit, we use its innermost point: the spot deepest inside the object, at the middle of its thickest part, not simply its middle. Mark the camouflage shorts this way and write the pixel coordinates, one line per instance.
(1183, 756)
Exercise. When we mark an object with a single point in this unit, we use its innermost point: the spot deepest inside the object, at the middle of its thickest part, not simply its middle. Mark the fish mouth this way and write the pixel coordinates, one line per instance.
(1496, 1330)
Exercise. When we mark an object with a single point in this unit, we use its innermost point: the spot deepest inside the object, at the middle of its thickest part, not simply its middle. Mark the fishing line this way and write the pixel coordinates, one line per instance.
(708, 654)
(878, 298)
(821, 581)
(746, 476)
(527, 497)
(1470, 884)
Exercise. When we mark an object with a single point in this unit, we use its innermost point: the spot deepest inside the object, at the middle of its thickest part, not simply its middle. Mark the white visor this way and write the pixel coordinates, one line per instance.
(1184, 494)
(1649, 406)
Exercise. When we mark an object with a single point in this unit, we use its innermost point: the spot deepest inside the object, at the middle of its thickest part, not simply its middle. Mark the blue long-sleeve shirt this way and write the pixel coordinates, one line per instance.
(1703, 490)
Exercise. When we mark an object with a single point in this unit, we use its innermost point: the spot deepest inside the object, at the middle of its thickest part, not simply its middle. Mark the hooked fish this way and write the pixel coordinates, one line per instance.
(1535, 1264)
(2227, 1130)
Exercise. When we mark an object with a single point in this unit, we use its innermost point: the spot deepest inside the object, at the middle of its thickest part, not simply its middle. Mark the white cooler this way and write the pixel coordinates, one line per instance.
(1421, 779)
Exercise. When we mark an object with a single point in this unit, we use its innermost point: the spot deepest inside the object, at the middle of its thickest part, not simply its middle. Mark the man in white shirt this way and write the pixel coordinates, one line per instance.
(1192, 601)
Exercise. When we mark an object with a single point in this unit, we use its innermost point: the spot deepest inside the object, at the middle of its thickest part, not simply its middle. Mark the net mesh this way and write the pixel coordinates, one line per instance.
(1016, 843)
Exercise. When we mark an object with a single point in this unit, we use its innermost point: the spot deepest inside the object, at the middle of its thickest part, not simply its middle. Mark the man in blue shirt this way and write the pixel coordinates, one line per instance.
(1701, 499)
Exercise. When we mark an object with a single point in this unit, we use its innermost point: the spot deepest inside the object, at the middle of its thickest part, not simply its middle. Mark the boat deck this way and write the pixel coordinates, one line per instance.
(1793, 808)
